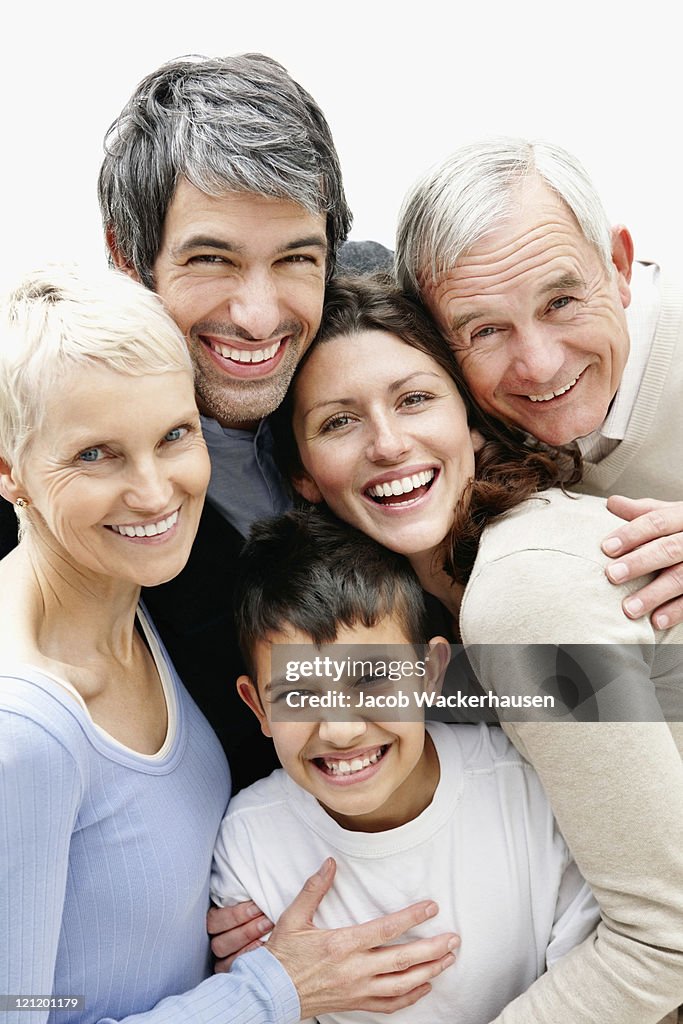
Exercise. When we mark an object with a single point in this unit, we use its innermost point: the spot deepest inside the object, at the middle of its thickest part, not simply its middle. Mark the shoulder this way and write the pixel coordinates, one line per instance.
(539, 577)
(487, 763)
(479, 747)
(552, 520)
(40, 734)
(260, 800)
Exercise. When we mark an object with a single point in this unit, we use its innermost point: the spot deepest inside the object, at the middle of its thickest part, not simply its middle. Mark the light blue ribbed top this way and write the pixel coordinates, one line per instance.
(105, 857)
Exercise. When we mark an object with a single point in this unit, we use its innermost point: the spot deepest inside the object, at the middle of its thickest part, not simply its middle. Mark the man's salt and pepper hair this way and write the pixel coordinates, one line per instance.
(232, 124)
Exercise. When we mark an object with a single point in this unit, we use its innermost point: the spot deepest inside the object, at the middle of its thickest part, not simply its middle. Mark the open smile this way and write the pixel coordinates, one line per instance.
(146, 531)
(402, 491)
(557, 393)
(351, 768)
(246, 362)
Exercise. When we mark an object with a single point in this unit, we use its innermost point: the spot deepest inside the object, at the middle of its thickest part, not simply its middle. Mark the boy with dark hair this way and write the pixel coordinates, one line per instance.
(448, 810)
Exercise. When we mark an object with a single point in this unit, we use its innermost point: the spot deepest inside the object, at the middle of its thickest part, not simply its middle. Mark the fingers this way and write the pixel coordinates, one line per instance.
(417, 961)
(398, 984)
(661, 599)
(652, 542)
(223, 919)
(660, 522)
(224, 965)
(390, 1005)
(394, 991)
(385, 929)
(236, 941)
(299, 913)
(629, 508)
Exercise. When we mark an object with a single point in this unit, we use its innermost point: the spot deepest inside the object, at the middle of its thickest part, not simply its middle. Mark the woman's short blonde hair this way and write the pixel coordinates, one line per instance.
(60, 317)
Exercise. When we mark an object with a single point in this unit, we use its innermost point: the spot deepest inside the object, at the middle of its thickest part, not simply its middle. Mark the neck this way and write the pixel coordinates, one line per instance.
(71, 611)
(436, 581)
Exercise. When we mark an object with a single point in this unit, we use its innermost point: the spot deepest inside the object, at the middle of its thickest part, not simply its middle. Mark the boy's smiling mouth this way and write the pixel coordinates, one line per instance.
(356, 765)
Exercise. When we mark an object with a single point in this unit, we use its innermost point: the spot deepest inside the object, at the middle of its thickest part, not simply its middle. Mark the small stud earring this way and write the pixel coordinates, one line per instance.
(23, 502)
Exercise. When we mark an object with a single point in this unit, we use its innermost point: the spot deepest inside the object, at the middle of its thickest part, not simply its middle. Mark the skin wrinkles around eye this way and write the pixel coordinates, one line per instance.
(183, 430)
(558, 305)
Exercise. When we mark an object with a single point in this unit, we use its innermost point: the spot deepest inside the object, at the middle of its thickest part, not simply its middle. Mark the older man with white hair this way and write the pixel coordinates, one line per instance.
(559, 332)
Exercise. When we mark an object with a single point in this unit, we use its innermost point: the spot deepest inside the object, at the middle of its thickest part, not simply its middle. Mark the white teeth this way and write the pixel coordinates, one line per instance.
(149, 529)
(243, 355)
(553, 394)
(404, 485)
(356, 765)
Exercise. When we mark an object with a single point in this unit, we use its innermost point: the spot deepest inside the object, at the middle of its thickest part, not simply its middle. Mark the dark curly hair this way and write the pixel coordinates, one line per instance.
(509, 467)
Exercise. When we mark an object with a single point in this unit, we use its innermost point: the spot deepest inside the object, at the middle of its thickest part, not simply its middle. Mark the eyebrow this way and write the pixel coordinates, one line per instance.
(394, 386)
(565, 282)
(226, 245)
(84, 438)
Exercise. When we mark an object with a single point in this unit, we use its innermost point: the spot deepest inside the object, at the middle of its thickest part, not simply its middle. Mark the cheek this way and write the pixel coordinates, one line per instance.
(331, 470)
(289, 739)
(484, 372)
(200, 472)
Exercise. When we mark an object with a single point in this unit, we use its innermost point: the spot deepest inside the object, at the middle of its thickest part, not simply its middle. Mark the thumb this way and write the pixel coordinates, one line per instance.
(299, 914)
(631, 508)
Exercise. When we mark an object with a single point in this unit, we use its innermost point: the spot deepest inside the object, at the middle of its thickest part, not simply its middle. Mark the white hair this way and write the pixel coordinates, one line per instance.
(59, 317)
(468, 194)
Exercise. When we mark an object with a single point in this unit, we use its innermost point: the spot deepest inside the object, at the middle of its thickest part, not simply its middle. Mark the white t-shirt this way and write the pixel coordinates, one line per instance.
(487, 849)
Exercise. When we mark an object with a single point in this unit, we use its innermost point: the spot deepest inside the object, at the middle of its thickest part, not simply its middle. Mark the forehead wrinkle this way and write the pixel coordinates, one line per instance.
(515, 264)
(532, 242)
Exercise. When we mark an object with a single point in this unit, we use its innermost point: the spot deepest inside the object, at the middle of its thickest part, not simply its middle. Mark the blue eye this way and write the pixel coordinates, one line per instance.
(175, 434)
(90, 455)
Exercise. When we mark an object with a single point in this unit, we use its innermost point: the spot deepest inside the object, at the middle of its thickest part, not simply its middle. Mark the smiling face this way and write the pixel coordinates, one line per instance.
(117, 474)
(243, 276)
(383, 438)
(536, 321)
(368, 775)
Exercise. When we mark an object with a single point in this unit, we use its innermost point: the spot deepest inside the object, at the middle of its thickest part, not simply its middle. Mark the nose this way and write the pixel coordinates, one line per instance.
(539, 356)
(148, 487)
(255, 305)
(387, 441)
(342, 735)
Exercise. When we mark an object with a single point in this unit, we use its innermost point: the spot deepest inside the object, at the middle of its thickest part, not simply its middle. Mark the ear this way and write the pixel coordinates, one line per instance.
(478, 439)
(307, 487)
(118, 259)
(10, 487)
(437, 662)
(250, 695)
(622, 258)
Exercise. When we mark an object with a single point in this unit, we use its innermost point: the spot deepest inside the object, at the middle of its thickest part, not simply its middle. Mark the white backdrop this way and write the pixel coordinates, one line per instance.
(401, 87)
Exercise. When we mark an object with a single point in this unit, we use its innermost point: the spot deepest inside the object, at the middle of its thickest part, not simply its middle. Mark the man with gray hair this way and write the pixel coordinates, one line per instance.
(560, 333)
(221, 190)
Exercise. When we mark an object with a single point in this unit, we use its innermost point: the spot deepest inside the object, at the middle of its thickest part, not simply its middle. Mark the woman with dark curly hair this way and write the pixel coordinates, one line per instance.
(378, 427)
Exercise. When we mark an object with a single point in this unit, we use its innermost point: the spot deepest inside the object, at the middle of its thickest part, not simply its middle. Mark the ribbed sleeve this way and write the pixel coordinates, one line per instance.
(105, 858)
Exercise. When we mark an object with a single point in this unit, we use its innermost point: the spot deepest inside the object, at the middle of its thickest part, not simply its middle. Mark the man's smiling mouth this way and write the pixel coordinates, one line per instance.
(245, 355)
(555, 394)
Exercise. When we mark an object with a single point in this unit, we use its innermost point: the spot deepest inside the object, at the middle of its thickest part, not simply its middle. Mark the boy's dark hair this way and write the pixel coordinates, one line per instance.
(309, 570)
